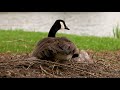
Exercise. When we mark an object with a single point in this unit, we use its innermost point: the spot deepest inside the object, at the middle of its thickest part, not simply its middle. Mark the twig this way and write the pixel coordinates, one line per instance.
(47, 72)
(94, 54)
(54, 63)
(74, 68)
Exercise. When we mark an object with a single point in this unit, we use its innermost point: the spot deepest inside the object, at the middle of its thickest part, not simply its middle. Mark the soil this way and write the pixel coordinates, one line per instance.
(106, 65)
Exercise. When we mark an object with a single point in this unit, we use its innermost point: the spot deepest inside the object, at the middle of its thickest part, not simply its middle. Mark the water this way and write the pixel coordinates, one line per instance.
(80, 23)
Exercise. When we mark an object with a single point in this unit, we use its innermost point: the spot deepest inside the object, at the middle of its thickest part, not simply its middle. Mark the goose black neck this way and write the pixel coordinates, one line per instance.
(52, 32)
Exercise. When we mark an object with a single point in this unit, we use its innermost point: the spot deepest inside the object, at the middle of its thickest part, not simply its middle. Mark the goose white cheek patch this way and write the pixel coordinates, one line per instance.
(62, 25)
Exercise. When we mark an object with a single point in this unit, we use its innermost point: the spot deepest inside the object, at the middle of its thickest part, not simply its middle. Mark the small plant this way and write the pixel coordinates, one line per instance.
(116, 31)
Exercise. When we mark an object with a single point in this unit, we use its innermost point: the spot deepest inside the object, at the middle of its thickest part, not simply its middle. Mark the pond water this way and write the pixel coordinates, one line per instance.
(80, 23)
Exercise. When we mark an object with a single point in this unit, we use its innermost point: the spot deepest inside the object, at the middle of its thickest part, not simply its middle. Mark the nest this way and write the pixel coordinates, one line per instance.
(19, 66)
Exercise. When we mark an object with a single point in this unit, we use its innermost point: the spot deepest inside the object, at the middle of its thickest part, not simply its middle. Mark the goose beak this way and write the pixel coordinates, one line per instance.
(67, 28)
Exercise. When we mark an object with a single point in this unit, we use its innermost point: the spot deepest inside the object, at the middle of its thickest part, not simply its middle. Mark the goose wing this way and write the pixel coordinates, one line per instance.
(48, 48)
(65, 46)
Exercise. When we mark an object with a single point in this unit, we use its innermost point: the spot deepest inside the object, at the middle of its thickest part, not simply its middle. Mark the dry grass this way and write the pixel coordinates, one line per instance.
(106, 65)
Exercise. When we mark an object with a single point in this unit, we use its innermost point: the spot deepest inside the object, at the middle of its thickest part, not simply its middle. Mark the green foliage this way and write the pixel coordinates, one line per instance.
(116, 31)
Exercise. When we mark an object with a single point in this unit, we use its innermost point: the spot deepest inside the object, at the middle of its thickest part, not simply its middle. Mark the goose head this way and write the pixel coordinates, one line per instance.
(58, 25)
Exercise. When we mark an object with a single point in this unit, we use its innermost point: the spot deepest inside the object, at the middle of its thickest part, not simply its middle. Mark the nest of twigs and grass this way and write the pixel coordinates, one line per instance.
(106, 65)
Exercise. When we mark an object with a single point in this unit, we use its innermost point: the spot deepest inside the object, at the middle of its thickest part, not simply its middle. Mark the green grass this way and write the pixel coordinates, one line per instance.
(116, 31)
(18, 41)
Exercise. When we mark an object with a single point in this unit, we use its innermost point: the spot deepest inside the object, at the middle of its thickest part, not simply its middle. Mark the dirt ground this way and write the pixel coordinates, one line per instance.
(106, 65)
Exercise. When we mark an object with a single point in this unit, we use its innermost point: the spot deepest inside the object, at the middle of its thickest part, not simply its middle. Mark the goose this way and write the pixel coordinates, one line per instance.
(55, 48)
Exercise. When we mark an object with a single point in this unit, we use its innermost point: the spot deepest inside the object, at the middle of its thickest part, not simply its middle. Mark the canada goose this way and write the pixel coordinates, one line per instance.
(55, 48)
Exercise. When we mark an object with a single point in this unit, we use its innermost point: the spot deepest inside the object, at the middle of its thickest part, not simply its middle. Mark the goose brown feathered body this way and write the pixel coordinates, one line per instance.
(59, 48)
(55, 48)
